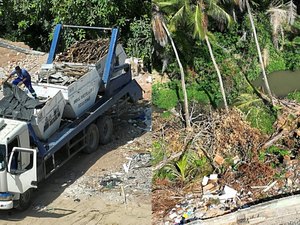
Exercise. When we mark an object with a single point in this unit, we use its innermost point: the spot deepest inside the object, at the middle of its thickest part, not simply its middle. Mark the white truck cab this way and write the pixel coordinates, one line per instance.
(18, 166)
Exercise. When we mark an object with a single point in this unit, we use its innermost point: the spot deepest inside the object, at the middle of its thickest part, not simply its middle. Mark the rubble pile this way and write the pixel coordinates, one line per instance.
(221, 195)
(86, 51)
(138, 173)
(63, 74)
(216, 199)
(135, 176)
(133, 179)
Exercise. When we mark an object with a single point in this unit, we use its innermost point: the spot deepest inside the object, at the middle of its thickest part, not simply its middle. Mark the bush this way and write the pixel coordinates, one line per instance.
(261, 118)
(139, 45)
(163, 96)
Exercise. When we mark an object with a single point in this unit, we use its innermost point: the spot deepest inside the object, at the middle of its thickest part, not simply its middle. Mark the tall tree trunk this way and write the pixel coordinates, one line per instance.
(185, 100)
(218, 72)
(259, 52)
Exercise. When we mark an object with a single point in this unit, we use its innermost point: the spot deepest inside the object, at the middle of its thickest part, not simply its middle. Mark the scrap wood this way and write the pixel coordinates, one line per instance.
(270, 186)
(287, 123)
(86, 51)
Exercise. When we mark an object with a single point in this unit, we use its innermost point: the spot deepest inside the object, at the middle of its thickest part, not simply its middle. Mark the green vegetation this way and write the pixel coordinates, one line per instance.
(189, 166)
(32, 21)
(278, 151)
(168, 95)
(140, 42)
(294, 96)
(157, 153)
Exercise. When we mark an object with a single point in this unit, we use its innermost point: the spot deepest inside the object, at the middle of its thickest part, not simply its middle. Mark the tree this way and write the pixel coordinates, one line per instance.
(245, 4)
(202, 11)
(161, 33)
(282, 16)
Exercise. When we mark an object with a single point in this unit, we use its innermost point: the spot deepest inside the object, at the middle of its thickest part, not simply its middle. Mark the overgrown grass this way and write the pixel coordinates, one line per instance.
(157, 152)
(262, 119)
(294, 96)
(168, 95)
(256, 113)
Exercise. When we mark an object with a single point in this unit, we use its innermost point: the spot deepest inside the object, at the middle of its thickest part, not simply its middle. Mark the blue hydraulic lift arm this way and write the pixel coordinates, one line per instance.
(54, 43)
(108, 69)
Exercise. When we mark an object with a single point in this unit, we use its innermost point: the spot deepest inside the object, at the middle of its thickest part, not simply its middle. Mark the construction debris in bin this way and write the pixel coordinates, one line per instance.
(63, 74)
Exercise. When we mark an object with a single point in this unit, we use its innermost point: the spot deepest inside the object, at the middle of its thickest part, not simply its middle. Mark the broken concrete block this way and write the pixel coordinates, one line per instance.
(213, 177)
(289, 182)
(208, 187)
(219, 159)
(205, 181)
(173, 215)
(236, 159)
(228, 193)
(211, 188)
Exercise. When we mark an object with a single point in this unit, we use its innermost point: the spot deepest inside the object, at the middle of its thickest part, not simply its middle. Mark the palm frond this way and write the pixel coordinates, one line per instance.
(291, 12)
(246, 100)
(158, 30)
(219, 14)
(166, 3)
(241, 4)
(200, 22)
(281, 17)
(278, 18)
(211, 37)
(176, 18)
(169, 7)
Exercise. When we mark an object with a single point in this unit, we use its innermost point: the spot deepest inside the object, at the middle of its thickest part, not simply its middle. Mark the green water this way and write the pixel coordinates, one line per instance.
(281, 83)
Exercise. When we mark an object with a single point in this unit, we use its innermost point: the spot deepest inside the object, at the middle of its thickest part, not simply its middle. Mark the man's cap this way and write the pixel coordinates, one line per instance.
(17, 68)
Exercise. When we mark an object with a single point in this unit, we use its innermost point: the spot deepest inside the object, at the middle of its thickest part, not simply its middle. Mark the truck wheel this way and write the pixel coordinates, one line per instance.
(25, 200)
(91, 138)
(105, 127)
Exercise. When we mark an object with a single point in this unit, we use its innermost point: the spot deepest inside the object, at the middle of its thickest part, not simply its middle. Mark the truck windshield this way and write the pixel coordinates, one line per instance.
(2, 157)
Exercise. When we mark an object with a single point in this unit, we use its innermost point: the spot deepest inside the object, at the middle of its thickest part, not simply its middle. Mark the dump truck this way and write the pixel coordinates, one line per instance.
(71, 115)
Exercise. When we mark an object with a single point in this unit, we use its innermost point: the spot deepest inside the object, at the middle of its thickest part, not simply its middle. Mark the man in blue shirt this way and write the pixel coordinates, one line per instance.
(23, 77)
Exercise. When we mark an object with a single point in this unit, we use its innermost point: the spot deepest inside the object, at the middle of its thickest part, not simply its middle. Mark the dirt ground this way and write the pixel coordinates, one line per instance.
(73, 195)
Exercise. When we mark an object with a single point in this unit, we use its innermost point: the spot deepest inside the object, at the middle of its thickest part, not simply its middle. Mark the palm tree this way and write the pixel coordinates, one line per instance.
(282, 16)
(196, 13)
(204, 9)
(161, 34)
(244, 4)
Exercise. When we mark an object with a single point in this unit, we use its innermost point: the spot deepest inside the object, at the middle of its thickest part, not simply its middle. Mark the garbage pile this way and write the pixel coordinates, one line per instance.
(116, 186)
(86, 51)
(138, 172)
(216, 199)
(135, 176)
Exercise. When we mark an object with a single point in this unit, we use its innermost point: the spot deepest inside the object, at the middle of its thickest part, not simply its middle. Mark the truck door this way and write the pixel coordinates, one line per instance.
(22, 170)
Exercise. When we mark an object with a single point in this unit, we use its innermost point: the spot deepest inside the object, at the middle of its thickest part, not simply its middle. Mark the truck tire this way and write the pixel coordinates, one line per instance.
(105, 127)
(91, 138)
(25, 200)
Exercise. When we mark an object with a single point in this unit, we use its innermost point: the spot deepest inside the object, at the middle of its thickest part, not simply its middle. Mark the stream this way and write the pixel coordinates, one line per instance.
(281, 82)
